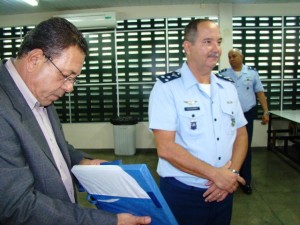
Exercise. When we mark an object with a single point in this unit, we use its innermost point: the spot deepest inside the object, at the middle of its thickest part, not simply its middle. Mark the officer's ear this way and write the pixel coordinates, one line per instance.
(34, 59)
(187, 47)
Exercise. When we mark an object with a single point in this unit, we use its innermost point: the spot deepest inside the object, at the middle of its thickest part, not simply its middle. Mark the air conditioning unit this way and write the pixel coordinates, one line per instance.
(96, 20)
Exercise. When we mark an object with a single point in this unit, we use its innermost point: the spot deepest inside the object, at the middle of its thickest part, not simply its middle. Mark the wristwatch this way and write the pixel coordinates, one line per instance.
(235, 171)
(267, 113)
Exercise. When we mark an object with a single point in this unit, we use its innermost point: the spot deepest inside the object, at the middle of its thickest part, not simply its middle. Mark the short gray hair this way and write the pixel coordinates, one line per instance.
(236, 50)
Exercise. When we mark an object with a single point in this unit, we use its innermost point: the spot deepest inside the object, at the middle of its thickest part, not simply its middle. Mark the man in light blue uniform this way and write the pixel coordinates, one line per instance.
(249, 87)
(199, 131)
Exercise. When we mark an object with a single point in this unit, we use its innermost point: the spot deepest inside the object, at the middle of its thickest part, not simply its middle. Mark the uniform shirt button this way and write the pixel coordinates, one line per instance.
(218, 139)
(219, 158)
(215, 119)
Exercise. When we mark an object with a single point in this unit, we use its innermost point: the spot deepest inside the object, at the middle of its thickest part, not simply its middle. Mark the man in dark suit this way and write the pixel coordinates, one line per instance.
(36, 185)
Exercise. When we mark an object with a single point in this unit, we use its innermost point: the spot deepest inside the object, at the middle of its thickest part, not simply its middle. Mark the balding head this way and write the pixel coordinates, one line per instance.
(235, 57)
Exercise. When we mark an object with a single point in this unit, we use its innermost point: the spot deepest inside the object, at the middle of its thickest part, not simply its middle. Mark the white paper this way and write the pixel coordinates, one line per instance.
(109, 180)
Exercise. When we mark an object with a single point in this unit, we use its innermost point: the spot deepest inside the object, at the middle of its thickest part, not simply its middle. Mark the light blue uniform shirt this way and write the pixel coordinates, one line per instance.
(205, 126)
(247, 84)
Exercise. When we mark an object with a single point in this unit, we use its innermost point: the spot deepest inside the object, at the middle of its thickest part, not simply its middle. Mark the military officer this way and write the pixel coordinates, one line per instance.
(199, 131)
(249, 87)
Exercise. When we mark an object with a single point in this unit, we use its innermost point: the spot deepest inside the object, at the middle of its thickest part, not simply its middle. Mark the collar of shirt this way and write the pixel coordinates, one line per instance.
(244, 70)
(187, 76)
(29, 97)
(189, 80)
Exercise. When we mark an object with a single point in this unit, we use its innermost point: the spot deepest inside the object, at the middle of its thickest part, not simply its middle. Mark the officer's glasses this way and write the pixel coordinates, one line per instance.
(66, 77)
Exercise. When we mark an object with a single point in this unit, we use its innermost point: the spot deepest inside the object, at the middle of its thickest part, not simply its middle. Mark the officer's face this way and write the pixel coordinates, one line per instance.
(206, 49)
(235, 59)
(53, 79)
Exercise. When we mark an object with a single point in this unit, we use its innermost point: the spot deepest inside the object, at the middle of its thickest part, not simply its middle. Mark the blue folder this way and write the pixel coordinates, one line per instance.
(149, 200)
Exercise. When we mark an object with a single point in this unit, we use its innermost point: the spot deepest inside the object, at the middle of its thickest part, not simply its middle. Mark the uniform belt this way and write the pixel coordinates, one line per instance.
(177, 183)
(250, 110)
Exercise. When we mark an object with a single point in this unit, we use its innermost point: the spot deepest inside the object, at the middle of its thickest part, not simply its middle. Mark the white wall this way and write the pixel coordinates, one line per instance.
(123, 13)
(260, 135)
(100, 135)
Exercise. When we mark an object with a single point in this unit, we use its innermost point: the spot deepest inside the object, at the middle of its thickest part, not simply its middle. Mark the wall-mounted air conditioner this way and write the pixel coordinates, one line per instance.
(100, 20)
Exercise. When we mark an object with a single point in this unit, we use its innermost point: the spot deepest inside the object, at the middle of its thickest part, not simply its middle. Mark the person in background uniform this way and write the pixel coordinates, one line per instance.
(199, 131)
(249, 87)
(36, 185)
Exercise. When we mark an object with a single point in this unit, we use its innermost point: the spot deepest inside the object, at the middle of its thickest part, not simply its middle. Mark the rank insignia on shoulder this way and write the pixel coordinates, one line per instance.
(251, 68)
(169, 76)
(224, 78)
(223, 70)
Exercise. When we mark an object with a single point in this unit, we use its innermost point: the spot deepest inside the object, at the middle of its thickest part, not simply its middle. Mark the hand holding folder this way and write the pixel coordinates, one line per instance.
(125, 189)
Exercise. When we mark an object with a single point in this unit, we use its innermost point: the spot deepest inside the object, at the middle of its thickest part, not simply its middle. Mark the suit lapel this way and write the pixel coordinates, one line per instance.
(26, 115)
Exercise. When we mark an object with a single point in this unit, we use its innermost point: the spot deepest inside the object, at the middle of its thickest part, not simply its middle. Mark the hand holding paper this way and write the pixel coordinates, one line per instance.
(125, 189)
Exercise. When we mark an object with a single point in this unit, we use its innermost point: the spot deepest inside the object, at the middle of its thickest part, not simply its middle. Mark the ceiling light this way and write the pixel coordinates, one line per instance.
(32, 2)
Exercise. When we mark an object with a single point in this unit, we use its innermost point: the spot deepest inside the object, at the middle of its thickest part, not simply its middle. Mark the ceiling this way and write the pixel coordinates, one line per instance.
(12, 7)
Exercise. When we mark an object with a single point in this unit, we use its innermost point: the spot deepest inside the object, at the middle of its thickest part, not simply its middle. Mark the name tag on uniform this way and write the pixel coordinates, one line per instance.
(191, 108)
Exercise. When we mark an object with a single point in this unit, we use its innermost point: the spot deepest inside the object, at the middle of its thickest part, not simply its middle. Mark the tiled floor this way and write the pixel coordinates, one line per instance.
(276, 188)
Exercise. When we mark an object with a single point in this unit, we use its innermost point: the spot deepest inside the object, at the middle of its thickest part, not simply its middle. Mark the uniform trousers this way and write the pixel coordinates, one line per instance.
(245, 170)
(188, 205)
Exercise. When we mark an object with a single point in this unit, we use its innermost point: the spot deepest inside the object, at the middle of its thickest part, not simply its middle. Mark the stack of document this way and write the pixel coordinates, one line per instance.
(125, 189)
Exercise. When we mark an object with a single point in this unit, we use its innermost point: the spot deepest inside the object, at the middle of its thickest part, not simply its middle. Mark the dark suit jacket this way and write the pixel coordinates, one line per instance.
(31, 189)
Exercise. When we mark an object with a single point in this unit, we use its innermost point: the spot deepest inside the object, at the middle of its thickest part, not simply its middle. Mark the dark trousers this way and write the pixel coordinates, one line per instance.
(245, 170)
(188, 205)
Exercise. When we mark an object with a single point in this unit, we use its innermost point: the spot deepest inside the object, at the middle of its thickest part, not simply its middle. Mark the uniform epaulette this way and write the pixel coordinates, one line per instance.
(169, 76)
(224, 78)
(223, 70)
(251, 68)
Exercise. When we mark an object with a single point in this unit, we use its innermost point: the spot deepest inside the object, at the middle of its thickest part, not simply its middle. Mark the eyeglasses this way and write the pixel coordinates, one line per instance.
(66, 78)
